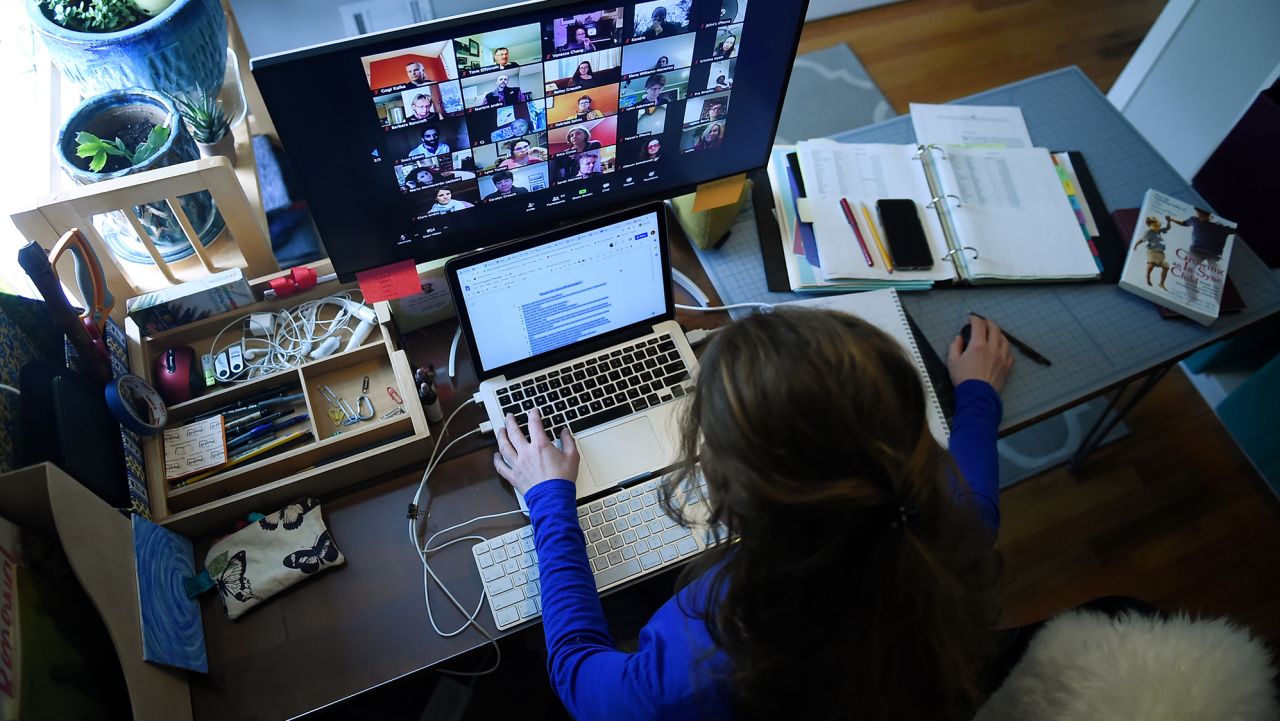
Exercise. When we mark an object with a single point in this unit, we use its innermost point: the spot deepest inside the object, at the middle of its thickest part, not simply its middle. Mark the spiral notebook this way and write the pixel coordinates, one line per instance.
(883, 309)
(990, 214)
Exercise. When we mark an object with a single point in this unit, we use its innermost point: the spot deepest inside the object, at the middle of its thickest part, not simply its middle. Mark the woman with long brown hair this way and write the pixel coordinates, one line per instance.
(856, 579)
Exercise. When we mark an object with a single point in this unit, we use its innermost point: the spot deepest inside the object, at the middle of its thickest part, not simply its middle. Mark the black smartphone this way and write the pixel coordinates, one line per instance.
(908, 246)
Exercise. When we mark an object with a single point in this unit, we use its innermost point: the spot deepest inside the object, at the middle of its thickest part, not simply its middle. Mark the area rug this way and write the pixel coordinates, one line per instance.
(834, 80)
(830, 91)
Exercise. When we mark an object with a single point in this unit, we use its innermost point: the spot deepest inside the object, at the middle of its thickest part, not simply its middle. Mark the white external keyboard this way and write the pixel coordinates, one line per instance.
(628, 535)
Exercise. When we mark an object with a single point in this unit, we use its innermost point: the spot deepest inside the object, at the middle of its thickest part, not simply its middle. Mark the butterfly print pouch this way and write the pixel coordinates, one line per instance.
(271, 554)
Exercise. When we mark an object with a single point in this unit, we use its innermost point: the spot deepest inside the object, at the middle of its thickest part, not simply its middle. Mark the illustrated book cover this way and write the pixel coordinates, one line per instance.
(1178, 257)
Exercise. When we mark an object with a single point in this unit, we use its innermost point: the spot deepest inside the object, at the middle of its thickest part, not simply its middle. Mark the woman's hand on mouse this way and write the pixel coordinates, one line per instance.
(526, 462)
(986, 359)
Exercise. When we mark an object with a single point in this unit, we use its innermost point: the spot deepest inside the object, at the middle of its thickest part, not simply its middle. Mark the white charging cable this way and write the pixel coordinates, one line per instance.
(417, 511)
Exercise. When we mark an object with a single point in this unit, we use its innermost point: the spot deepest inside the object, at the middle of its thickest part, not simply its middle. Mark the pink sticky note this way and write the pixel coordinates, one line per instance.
(389, 282)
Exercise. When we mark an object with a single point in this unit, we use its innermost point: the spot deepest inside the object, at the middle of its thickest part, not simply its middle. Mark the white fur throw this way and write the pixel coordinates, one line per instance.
(1085, 666)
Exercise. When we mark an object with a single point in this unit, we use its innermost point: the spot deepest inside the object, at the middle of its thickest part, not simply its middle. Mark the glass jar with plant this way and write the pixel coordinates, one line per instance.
(208, 124)
(125, 132)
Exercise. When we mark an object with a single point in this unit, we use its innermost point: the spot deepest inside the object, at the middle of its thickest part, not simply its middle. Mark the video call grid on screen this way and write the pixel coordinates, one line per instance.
(508, 83)
(562, 104)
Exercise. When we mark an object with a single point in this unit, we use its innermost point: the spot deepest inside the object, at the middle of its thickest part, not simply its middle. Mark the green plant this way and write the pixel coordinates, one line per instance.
(205, 117)
(91, 146)
(94, 16)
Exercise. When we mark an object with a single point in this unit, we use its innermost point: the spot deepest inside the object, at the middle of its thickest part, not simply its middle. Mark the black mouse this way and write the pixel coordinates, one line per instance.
(965, 332)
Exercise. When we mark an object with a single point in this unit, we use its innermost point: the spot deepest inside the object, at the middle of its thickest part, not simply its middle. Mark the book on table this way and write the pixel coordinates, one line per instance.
(1178, 257)
(1126, 221)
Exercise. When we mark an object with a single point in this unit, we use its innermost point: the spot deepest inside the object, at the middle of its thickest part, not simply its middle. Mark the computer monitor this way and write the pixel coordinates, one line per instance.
(430, 140)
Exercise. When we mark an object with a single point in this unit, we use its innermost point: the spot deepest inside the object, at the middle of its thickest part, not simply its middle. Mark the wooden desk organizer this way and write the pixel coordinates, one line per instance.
(335, 456)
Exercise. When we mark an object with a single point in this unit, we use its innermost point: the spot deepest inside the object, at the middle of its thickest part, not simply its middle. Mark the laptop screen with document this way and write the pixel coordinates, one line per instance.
(541, 296)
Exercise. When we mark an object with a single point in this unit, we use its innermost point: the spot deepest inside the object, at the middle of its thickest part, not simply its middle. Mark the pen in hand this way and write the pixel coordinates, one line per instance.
(1027, 350)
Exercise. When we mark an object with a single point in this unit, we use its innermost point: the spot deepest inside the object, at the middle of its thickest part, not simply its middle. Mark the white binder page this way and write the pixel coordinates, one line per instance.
(863, 174)
(1014, 211)
(987, 126)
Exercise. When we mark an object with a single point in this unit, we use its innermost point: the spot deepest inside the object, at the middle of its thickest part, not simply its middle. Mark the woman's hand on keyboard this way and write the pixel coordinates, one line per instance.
(525, 463)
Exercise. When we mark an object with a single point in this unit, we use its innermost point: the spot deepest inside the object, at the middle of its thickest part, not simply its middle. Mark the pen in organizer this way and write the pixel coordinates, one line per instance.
(263, 429)
(244, 404)
(252, 453)
(1030, 352)
(853, 223)
(884, 255)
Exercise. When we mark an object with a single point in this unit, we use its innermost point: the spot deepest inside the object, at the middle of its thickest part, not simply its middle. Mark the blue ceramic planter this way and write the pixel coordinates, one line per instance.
(181, 49)
(104, 115)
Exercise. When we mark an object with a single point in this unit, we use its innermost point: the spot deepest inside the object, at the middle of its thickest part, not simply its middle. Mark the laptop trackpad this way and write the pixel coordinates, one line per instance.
(621, 452)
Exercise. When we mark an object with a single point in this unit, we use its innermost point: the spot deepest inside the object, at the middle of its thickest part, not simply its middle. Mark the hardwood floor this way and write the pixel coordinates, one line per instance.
(932, 51)
(1173, 513)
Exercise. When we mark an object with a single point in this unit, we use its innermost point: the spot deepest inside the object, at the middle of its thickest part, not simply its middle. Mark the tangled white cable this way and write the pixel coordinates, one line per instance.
(294, 336)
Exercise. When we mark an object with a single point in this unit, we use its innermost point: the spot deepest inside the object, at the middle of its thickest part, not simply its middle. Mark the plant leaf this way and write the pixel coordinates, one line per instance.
(99, 160)
(149, 147)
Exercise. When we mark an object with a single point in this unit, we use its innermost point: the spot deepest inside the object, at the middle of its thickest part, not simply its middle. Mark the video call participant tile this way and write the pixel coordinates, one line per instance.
(582, 33)
(512, 154)
(505, 184)
(507, 122)
(452, 197)
(414, 67)
(643, 151)
(656, 88)
(582, 137)
(504, 49)
(569, 168)
(706, 109)
(433, 102)
(661, 19)
(731, 11)
(719, 77)
(581, 72)
(503, 87)
(726, 45)
(577, 107)
(424, 173)
(656, 55)
(647, 121)
(429, 139)
(702, 137)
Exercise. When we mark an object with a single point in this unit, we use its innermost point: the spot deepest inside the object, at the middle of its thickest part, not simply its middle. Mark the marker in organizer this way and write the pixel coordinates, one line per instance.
(853, 223)
(884, 255)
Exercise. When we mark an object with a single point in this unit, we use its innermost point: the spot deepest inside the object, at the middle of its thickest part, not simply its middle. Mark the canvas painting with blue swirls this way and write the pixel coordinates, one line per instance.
(172, 633)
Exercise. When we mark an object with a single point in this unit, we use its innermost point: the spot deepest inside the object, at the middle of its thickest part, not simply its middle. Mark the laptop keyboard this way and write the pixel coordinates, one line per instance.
(600, 389)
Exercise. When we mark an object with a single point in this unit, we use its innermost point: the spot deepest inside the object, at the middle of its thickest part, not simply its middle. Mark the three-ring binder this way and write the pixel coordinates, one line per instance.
(920, 151)
(934, 200)
(948, 255)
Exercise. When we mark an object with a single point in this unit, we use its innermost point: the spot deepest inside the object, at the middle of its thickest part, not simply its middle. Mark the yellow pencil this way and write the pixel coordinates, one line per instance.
(876, 235)
(247, 455)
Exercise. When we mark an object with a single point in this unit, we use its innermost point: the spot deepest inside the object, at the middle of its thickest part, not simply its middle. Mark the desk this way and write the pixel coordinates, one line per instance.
(1097, 335)
(364, 624)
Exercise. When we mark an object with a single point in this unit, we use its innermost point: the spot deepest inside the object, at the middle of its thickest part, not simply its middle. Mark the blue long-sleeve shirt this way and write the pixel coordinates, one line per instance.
(672, 674)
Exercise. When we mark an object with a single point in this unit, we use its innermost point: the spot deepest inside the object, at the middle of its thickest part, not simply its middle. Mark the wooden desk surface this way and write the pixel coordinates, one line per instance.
(363, 624)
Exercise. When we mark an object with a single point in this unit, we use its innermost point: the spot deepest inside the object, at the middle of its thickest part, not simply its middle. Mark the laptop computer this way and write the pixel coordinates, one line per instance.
(580, 323)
